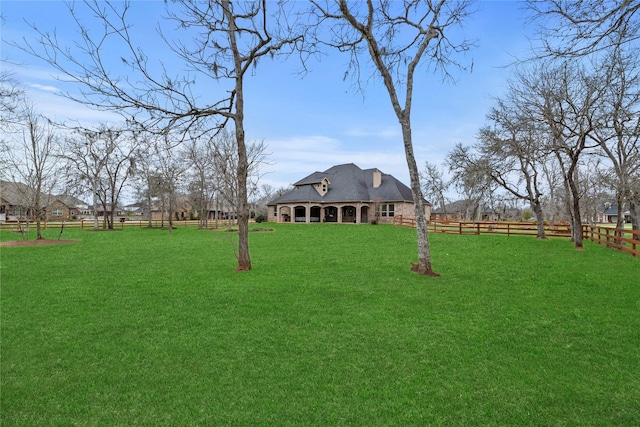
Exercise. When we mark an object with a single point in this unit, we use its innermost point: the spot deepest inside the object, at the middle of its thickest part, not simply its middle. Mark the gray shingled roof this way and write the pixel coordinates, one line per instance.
(348, 183)
(15, 193)
(19, 194)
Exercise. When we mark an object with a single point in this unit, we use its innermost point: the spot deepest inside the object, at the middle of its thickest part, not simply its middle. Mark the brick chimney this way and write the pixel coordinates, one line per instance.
(377, 178)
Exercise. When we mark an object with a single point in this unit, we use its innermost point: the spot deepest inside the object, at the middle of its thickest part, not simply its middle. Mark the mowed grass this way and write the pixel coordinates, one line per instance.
(136, 327)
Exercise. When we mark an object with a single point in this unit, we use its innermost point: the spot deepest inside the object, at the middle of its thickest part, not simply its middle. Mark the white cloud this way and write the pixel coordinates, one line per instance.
(43, 87)
(381, 133)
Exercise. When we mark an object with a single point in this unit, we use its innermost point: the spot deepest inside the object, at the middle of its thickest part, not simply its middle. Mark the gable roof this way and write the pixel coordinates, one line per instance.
(348, 183)
(613, 210)
(14, 193)
(19, 194)
(70, 201)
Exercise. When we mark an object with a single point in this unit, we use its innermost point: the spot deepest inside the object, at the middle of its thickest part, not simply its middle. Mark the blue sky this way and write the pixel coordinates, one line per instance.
(317, 121)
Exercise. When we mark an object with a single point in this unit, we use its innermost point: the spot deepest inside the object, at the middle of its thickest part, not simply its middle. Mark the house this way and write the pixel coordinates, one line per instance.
(65, 206)
(16, 203)
(456, 211)
(346, 194)
(182, 210)
(610, 215)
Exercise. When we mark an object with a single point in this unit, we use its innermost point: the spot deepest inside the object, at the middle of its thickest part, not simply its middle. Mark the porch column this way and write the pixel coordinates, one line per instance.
(339, 213)
(358, 207)
(307, 214)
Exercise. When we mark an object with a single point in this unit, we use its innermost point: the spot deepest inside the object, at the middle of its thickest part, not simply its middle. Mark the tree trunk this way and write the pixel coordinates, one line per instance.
(150, 222)
(424, 254)
(620, 219)
(634, 210)
(171, 211)
(38, 225)
(113, 211)
(96, 220)
(537, 209)
(244, 260)
(577, 220)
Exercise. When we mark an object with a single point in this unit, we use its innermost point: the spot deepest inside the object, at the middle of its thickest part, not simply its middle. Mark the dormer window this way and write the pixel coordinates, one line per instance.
(322, 187)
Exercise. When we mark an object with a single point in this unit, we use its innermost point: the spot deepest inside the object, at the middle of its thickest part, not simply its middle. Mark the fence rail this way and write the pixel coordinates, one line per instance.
(485, 227)
(622, 239)
(16, 225)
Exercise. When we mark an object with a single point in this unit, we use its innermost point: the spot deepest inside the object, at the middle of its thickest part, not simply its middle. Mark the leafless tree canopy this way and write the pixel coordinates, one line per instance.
(10, 96)
(219, 42)
(575, 28)
(101, 161)
(29, 158)
(395, 38)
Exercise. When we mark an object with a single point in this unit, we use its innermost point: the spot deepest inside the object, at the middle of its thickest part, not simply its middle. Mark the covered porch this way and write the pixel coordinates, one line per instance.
(355, 213)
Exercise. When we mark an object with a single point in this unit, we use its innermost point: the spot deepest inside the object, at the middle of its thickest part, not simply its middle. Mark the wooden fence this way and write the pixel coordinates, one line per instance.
(624, 240)
(485, 227)
(88, 224)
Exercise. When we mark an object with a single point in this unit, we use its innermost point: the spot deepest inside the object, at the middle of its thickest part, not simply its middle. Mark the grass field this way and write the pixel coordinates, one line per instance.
(136, 327)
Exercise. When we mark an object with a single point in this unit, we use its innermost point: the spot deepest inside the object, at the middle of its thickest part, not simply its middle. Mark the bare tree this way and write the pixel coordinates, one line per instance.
(31, 161)
(199, 154)
(513, 149)
(11, 95)
(103, 160)
(574, 28)
(557, 201)
(226, 163)
(472, 178)
(146, 177)
(85, 156)
(618, 133)
(569, 98)
(435, 186)
(264, 196)
(169, 174)
(224, 41)
(396, 37)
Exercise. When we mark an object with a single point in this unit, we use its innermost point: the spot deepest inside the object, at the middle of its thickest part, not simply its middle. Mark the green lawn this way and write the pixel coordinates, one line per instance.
(136, 327)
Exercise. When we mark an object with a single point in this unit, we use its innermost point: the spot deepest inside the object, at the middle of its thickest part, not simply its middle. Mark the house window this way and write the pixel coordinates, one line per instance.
(57, 212)
(387, 209)
(275, 211)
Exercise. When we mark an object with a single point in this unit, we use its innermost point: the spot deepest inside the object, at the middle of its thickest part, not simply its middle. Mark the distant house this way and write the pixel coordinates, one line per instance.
(16, 203)
(610, 215)
(456, 211)
(345, 194)
(66, 206)
(135, 209)
(182, 210)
